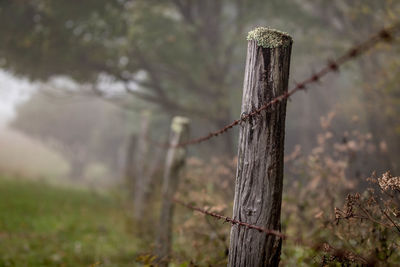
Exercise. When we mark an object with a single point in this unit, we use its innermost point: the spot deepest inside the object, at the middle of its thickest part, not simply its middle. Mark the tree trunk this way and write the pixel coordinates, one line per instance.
(259, 177)
(174, 163)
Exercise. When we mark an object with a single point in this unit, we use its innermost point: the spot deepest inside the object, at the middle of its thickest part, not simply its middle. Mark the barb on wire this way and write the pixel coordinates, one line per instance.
(323, 247)
(386, 34)
(232, 221)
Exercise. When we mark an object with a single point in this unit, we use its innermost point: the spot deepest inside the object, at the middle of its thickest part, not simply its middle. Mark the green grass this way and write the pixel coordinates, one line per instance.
(43, 225)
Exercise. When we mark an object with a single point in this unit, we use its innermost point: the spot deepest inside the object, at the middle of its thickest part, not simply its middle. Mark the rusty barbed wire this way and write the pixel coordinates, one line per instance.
(232, 221)
(385, 34)
(321, 246)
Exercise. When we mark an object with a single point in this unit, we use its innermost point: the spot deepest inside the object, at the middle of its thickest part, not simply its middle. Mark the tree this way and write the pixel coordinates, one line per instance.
(175, 54)
(353, 21)
(84, 132)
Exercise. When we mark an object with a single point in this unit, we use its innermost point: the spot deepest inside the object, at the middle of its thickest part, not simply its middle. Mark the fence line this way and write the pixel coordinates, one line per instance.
(232, 221)
(323, 247)
(386, 35)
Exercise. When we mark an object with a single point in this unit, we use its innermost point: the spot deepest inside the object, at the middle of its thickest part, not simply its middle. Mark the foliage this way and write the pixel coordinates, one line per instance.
(206, 184)
(320, 231)
(315, 185)
(174, 54)
(325, 234)
(350, 22)
(179, 55)
(376, 210)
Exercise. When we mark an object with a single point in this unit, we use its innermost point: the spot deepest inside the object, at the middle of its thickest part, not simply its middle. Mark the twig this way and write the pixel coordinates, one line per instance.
(390, 219)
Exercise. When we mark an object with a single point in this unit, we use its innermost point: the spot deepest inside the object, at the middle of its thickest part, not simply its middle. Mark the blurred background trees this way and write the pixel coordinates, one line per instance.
(186, 57)
(84, 132)
(99, 64)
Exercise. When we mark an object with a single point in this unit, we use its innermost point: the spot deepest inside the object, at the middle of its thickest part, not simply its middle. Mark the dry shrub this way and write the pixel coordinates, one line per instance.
(209, 185)
(365, 231)
(371, 220)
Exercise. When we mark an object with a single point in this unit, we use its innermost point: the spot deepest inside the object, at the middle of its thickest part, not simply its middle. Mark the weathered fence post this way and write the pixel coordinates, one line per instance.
(173, 166)
(130, 165)
(141, 166)
(258, 190)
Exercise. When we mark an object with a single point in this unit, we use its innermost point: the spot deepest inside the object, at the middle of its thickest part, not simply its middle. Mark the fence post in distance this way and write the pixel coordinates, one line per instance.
(175, 160)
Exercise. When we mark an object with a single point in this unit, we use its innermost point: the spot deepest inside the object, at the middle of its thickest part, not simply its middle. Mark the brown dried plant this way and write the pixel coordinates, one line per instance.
(209, 185)
(365, 230)
(362, 232)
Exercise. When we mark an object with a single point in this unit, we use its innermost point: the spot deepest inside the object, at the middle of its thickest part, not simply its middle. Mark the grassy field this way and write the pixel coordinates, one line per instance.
(43, 225)
(21, 155)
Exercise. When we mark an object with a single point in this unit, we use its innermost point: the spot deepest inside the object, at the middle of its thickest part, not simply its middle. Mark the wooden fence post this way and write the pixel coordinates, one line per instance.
(141, 166)
(130, 165)
(258, 189)
(174, 162)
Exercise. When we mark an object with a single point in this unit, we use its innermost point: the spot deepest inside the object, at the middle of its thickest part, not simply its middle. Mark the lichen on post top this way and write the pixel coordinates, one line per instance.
(178, 123)
(269, 38)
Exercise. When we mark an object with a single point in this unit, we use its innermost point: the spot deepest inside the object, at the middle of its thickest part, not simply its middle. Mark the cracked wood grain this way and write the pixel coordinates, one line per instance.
(259, 177)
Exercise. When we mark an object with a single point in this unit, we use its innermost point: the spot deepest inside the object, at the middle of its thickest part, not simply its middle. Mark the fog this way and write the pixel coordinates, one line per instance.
(88, 93)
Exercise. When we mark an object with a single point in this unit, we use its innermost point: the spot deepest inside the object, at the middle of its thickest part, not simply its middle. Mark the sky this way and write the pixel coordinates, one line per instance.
(13, 90)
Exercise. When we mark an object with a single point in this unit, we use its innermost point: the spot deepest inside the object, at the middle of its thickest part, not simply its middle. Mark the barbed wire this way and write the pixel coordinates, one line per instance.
(322, 246)
(385, 34)
(228, 219)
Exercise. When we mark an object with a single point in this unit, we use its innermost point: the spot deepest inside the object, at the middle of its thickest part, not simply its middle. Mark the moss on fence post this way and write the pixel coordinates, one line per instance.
(269, 38)
(259, 176)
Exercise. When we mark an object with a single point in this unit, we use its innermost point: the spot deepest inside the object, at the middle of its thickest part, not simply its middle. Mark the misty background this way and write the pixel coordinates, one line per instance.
(89, 88)
(75, 78)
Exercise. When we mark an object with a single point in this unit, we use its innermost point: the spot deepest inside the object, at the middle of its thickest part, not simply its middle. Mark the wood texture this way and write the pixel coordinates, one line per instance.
(259, 177)
(174, 162)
